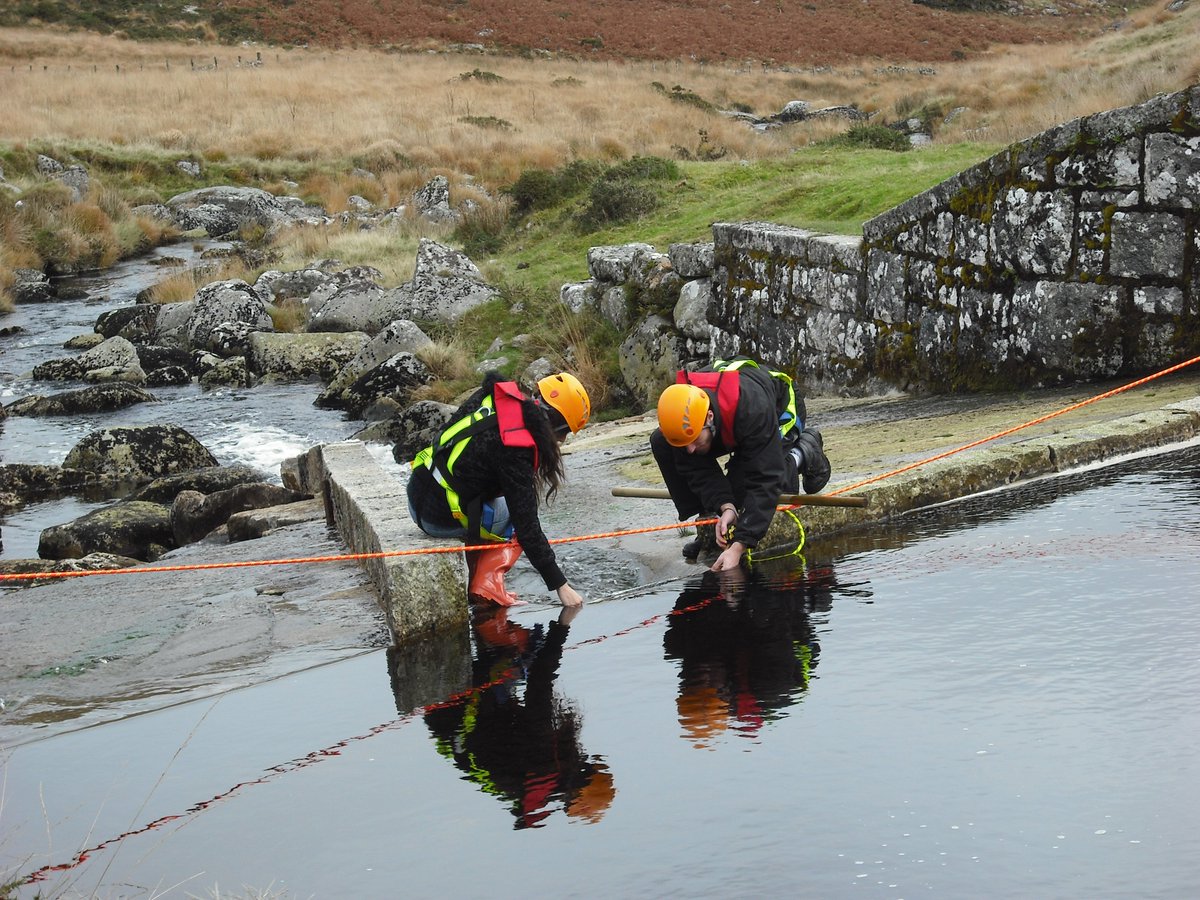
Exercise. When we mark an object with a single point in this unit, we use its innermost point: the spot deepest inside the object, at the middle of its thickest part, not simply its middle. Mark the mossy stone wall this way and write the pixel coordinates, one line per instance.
(1072, 256)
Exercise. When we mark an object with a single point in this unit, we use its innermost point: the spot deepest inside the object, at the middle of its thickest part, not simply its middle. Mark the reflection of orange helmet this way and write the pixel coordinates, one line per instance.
(702, 713)
(564, 392)
(682, 409)
(593, 801)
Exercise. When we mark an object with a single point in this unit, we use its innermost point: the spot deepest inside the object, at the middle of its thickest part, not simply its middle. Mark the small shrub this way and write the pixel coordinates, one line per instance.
(575, 177)
(644, 168)
(487, 122)
(569, 81)
(877, 137)
(705, 151)
(680, 94)
(482, 228)
(538, 189)
(534, 189)
(615, 201)
(480, 75)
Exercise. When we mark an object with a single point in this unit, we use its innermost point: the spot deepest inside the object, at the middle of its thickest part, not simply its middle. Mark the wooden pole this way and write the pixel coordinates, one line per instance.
(788, 499)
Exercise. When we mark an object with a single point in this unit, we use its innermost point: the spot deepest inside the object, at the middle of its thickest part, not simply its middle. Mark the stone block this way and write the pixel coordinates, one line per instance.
(1116, 166)
(692, 260)
(885, 286)
(1032, 231)
(1146, 245)
(1173, 171)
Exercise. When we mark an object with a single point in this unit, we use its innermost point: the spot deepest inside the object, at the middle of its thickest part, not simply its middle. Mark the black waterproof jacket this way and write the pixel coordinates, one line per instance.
(488, 469)
(757, 472)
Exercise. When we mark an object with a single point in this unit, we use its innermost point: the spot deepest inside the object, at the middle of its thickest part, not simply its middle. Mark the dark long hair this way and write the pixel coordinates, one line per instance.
(540, 420)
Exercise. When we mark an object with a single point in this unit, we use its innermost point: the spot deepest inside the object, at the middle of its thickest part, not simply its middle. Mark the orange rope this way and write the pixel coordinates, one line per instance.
(386, 554)
(1016, 428)
(382, 554)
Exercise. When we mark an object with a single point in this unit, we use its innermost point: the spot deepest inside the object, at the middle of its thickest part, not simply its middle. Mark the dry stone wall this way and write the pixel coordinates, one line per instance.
(1072, 256)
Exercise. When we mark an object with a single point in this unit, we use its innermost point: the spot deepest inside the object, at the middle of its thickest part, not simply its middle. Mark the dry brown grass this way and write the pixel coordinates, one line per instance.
(400, 115)
(183, 285)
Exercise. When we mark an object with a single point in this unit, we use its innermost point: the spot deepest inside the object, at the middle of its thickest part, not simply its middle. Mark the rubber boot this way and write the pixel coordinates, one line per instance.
(487, 568)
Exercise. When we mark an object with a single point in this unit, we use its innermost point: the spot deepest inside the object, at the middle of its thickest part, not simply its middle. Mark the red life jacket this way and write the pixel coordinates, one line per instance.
(510, 418)
(728, 388)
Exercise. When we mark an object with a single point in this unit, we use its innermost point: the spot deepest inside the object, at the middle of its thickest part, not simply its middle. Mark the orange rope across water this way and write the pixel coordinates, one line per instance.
(342, 557)
(1074, 406)
(458, 548)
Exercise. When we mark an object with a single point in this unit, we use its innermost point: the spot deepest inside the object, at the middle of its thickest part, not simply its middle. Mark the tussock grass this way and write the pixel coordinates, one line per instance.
(182, 286)
(391, 250)
(453, 367)
(288, 316)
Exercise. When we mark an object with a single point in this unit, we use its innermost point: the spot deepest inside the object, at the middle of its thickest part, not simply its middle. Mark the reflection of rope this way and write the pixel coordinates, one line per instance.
(336, 748)
(421, 551)
(270, 774)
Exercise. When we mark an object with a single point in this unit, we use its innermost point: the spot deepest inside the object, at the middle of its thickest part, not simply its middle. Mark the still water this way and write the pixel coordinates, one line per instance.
(995, 698)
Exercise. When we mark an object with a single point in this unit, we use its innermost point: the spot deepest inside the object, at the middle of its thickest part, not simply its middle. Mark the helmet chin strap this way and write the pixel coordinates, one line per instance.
(560, 428)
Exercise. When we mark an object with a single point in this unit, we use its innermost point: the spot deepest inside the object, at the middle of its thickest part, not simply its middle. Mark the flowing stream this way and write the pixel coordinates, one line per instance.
(258, 426)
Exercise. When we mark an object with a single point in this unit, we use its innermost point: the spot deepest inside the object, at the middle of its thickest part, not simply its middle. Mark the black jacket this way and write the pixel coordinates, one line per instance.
(757, 472)
(488, 469)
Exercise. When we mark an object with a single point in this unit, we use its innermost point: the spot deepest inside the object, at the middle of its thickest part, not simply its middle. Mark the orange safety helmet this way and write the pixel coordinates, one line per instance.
(682, 409)
(564, 392)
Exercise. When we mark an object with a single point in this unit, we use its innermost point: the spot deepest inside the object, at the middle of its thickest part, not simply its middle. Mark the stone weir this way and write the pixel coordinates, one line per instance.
(420, 594)
(1072, 256)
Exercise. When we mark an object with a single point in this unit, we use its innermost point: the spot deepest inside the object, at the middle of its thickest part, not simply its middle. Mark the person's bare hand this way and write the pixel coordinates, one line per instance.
(730, 558)
(568, 596)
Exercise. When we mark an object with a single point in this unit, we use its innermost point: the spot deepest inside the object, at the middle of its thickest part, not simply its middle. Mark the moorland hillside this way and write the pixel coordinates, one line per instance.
(812, 32)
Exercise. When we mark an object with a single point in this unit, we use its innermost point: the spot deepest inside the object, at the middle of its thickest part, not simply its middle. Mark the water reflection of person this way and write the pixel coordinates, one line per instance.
(524, 749)
(747, 651)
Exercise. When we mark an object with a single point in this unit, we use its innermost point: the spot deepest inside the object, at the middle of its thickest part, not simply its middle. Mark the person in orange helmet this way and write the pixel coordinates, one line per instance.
(752, 415)
(481, 480)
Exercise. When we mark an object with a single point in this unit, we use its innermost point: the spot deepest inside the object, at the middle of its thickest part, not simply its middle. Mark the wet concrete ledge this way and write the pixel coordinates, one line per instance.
(991, 467)
(420, 594)
(424, 595)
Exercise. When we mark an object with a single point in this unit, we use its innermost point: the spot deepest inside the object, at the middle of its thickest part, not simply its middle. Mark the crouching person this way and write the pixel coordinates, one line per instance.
(753, 416)
(482, 479)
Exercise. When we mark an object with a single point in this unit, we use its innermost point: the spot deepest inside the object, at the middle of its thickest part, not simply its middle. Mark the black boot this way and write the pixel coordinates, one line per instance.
(705, 541)
(814, 466)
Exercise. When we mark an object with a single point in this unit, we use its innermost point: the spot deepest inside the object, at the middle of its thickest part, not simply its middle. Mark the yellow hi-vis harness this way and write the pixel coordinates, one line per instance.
(788, 418)
(502, 410)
